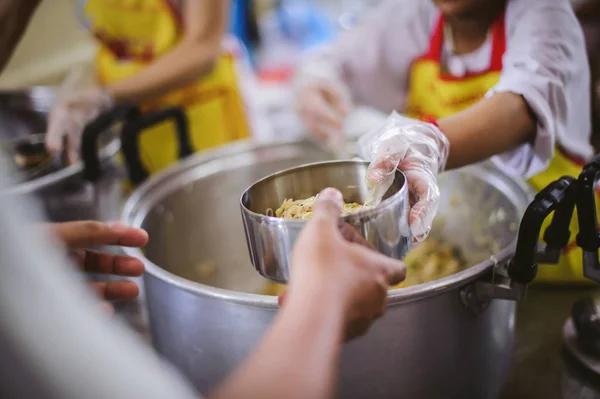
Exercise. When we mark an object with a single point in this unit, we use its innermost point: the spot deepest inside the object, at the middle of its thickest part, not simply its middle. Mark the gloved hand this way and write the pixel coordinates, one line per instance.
(418, 149)
(322, 103)
(69, 117)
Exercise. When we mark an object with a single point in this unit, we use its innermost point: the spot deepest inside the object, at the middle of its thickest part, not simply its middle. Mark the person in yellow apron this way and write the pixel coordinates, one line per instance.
(501, 79)
(158, 53)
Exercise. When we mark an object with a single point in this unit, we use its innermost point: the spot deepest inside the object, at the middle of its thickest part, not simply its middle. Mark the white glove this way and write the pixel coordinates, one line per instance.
(322, 103)
(418, 149)
(69, 117)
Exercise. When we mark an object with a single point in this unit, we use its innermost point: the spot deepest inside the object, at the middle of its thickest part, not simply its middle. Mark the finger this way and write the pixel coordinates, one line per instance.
(317, 131)
(116, 290)
(350, 234)
(103, 263)
(381, 169)
(393, 269)
(91, 233)
(328, 206)
(335, 98)
(72, 150)
(420, 219)
(55, 134)
(325, 114)
(425, 199)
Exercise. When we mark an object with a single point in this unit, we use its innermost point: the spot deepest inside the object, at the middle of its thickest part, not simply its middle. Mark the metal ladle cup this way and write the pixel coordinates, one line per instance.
(271, 239)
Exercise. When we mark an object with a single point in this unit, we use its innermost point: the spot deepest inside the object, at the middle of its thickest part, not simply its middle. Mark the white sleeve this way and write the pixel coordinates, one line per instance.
(546, 63)
(372, 60)
(58, 343)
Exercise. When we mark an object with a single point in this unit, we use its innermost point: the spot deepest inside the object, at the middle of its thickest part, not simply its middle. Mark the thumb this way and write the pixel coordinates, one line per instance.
(328, 205)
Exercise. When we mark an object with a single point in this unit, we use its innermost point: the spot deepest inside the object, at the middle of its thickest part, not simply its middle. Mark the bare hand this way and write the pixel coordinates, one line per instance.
(77, 236)
(340, 262)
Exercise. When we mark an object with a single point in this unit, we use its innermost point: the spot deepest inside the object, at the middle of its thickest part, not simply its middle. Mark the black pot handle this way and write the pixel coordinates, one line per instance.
(588, 238)
(89, 140)
(132, 130)
(558, 196)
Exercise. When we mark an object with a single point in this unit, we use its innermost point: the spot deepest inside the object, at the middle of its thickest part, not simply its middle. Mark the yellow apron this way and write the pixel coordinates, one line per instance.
(436, 94)
(134, 33)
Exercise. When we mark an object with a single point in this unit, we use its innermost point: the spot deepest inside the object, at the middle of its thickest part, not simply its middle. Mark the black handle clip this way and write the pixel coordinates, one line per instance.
(588, 238)
(132, 130)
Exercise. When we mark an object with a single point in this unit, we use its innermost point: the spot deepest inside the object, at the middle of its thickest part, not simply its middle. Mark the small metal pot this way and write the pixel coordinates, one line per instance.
(270, 239)
(90, 189)
(64, 191)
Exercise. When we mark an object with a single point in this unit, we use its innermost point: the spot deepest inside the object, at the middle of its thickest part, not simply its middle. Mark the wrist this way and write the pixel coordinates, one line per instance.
(317, 304)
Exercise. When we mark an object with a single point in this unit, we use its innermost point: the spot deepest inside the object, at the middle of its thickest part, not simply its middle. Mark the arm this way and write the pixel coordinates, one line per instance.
(337, 289)
(14, 18)
(365, 66)
(269, 373)
(542, 95)
(193, 57)
(370, 60)
(492, 126)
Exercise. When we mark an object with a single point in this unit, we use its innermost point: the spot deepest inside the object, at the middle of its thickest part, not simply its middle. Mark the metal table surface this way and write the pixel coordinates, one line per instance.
(540, 366)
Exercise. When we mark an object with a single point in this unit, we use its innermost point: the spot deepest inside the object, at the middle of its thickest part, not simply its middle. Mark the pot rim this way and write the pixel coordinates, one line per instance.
(42, 98)
(26, 187)
(387, 203)
(135, 210)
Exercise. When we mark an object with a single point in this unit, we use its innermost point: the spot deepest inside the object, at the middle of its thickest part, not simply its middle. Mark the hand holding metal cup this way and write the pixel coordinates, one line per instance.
(271, 239)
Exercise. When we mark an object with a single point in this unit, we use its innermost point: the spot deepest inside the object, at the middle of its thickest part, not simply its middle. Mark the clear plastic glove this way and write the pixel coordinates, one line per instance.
(420, 150)
(69, 117)
(322, 105)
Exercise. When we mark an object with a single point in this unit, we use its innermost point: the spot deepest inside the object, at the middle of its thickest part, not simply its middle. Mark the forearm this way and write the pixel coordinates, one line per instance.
(187, 62)
(14, 18)
(492, 126)
(297, 358)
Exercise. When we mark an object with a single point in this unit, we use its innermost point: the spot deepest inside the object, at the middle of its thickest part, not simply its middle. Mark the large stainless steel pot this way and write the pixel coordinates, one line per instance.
(437, 340)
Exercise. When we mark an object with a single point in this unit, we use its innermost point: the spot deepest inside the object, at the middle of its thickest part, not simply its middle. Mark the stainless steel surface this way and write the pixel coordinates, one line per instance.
(202, 294)
(572, 345)
(270, 239)
(64, 193)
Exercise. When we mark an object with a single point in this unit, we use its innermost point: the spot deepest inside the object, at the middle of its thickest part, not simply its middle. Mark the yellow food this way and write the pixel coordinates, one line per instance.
(302, 209)
(431, 260)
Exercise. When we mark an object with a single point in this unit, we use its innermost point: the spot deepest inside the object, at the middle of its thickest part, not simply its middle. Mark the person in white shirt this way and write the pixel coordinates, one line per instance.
(478, 78)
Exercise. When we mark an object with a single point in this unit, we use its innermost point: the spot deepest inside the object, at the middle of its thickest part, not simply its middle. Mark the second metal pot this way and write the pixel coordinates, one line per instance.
(64, 191)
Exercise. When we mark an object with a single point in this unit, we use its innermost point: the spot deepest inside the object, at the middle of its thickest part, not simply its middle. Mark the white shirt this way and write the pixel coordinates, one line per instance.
(55, 341)
(545, 61)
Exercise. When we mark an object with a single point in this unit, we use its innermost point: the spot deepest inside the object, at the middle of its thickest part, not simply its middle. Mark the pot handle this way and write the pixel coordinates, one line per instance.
(132, 130)
(588, 238)
(557, 197)
(92, 169)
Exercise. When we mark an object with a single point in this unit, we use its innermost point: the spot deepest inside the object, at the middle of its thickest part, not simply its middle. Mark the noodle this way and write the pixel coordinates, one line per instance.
(431, 260)
(302, 209)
